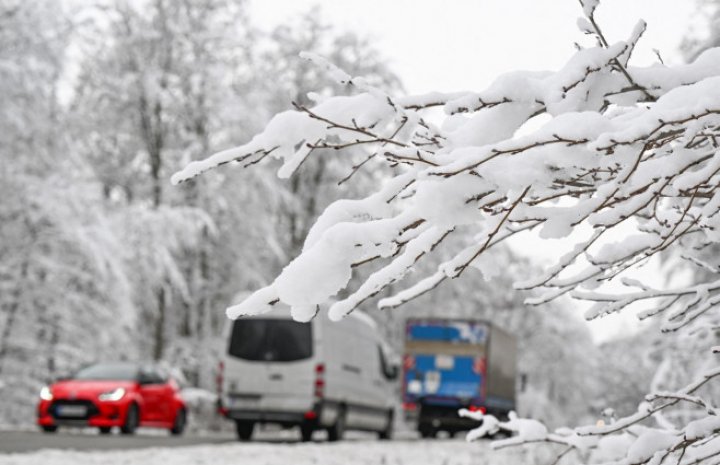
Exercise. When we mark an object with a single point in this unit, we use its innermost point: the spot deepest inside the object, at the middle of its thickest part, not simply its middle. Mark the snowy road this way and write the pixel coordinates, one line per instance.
(30, 441)
(89, 439)
(352, 452)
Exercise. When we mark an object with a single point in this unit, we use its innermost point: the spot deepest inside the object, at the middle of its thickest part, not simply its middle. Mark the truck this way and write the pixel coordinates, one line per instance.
(449, 364)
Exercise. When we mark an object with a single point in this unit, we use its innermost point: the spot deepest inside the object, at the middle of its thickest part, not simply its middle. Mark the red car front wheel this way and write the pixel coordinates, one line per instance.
(132, 419)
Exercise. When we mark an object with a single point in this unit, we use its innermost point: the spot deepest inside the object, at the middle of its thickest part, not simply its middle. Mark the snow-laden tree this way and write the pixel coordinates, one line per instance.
(628, 365)
(305, 195)
(626, 148)
(62, 279)
(147, 99)
(705, 33)
(174, 81)
(144, 93)
(31, 57)
(61, 269)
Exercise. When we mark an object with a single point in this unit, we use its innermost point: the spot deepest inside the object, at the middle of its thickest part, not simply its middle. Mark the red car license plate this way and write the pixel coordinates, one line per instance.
(72, 410)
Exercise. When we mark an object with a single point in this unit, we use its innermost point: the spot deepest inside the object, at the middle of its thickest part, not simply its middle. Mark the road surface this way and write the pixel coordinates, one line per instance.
(90, 440)
(31, 441)
(355, 451)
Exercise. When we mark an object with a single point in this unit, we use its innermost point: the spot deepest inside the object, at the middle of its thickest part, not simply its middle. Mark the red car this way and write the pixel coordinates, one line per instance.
(126, 395)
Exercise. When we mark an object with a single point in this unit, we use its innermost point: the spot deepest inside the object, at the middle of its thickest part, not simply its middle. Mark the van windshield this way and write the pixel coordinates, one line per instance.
(271, 340)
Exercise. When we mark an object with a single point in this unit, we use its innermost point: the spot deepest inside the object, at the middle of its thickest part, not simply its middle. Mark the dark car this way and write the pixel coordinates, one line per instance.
(118, 394)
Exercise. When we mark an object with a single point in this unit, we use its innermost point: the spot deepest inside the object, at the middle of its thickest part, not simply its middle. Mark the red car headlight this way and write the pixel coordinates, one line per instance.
(46, 393)
(115, 394)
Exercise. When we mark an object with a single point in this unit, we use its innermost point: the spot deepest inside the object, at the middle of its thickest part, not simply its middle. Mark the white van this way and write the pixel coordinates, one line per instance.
(317, 375)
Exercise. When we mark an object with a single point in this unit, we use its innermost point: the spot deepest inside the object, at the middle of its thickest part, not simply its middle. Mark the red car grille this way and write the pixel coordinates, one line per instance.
(66, 409)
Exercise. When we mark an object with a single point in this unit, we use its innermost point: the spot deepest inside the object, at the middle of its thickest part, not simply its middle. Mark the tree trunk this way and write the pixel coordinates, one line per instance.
(159, 347)
(7, 330)
(13, 309)
(52, 347)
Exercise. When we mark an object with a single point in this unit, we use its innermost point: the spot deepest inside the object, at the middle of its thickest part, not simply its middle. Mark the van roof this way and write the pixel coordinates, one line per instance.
(282, 311)
(364, 317)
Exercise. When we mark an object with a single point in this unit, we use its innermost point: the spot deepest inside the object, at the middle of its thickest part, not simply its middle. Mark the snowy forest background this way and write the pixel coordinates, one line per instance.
(101, 258)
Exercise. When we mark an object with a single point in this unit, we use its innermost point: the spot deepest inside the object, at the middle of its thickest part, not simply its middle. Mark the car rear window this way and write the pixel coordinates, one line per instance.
(109, 371)
(271, 340)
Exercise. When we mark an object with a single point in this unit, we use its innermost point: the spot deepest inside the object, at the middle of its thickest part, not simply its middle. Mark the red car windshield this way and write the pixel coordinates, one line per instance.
(109, 371)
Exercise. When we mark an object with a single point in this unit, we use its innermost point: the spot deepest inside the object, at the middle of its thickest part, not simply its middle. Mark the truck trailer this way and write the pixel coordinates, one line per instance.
(450, 364)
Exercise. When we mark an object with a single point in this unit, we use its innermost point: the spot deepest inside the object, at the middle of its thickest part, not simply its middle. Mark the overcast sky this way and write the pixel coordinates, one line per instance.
(463, 44)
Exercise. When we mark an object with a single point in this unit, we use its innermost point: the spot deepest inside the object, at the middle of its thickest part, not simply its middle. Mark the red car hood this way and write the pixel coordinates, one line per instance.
(87, 389)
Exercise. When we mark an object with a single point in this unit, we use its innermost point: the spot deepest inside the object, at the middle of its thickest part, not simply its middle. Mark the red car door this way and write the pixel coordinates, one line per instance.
(152, 391)
(168, 404)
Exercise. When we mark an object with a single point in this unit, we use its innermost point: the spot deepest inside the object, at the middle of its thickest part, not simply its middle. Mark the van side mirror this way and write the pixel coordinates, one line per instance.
(388, 369)
(392, 372)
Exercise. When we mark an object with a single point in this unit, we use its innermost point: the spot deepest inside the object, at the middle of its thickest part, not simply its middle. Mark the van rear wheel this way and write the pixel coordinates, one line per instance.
(244, 429)
(336, 431)
(306, 432)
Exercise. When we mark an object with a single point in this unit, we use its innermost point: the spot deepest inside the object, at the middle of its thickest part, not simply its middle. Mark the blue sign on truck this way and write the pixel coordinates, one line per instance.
(451, 364)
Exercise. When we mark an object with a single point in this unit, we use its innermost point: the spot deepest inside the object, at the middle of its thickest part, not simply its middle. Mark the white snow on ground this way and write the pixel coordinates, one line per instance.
(440, 452)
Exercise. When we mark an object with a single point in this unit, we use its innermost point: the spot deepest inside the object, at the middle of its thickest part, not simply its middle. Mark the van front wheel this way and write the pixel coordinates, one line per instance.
(386, 434)
(244, 429)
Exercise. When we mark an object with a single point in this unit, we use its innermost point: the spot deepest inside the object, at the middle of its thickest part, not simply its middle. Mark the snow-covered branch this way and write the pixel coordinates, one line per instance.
(621, 147)
(600, 161)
